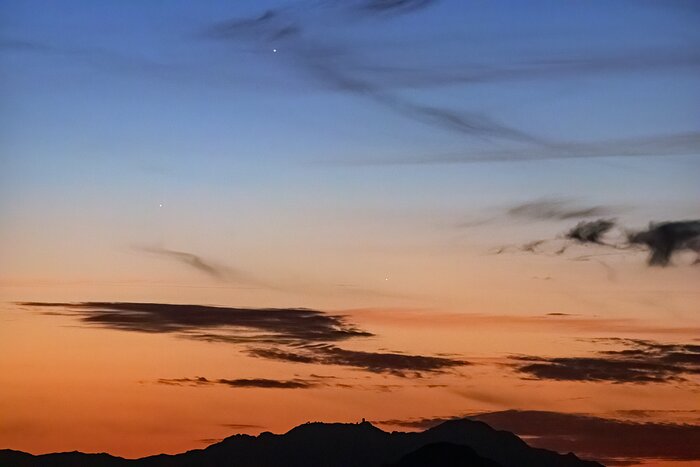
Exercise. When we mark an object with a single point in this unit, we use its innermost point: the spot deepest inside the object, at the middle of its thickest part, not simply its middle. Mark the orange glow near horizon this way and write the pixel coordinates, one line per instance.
(55, 360)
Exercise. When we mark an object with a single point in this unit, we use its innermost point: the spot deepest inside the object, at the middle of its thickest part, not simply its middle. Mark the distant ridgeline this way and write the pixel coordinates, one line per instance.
(455, 443)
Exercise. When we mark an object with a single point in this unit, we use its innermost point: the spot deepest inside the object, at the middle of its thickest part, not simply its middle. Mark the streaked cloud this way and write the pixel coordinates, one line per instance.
(189, 259)
(556, 209)
(398, 364)
(292, 335)
(392, 6)
(637, 361)
(210, 268)
(263, 383)
(338, 68)
(662, 145)
(225, 324)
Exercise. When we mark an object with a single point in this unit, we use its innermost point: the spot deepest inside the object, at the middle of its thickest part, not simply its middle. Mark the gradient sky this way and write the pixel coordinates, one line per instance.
(360, 162)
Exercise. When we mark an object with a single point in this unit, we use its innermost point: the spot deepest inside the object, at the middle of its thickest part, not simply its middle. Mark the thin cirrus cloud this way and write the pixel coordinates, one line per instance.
(637, 362)
(394, 363)
(294, 383)
(209, 268)
(189, 259)
(336, 67)
(557, 209)
(228, 274)
(235, 325)
(608, 440)
(263, 383)
(241, 426)
(675, 144)
(392, 6)
(341, 65)
(292, 335)
(552, 67)
(543, 209)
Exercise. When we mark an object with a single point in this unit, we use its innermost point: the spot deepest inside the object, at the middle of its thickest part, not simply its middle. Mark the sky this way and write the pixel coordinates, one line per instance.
(369, 207)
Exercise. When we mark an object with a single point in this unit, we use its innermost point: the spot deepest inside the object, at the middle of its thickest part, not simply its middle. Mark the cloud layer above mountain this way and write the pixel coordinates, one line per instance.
(293, 335)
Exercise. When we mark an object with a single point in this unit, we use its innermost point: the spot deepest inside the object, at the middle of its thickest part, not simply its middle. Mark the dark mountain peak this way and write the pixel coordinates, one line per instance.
(502, 446)
(462, 424)
(474, 430)
(242, 436)
(444, 455)
(322, 428)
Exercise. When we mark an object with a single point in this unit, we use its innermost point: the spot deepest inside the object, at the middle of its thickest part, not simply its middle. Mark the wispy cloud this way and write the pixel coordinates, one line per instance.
(210, 268)
(677, 144)
(226, 324)
(556, 209)
(343, 66)
(293, 335)
(398, 364)
(263, 383)
(550, 208)
(338, 68)
(384, 7)
(638, 361)
(240, 426)
(191, 260)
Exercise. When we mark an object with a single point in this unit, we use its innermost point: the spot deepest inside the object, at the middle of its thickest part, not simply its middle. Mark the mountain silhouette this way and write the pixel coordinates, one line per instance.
(464, 443)
(444, 455)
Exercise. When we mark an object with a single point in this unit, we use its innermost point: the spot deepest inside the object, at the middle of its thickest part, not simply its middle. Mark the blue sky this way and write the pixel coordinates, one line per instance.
(124, 106)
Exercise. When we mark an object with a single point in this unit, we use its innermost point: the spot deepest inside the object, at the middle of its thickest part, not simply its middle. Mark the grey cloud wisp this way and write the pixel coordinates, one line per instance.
(636, 361)
(189, 259)
(347, 67)
(292, 335)
(263, 383)
(556, 209)
(336, 67)
(342, 68)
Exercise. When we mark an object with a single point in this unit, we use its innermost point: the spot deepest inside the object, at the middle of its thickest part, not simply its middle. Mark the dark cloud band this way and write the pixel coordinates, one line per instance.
(241, 383)
(637, 361)
(293, 335)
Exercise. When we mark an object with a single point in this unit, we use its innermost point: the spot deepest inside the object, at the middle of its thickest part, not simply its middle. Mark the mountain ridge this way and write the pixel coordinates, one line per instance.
(462, 442)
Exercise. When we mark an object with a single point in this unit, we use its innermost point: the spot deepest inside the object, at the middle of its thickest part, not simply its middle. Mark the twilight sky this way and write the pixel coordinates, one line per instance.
(366, 204)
